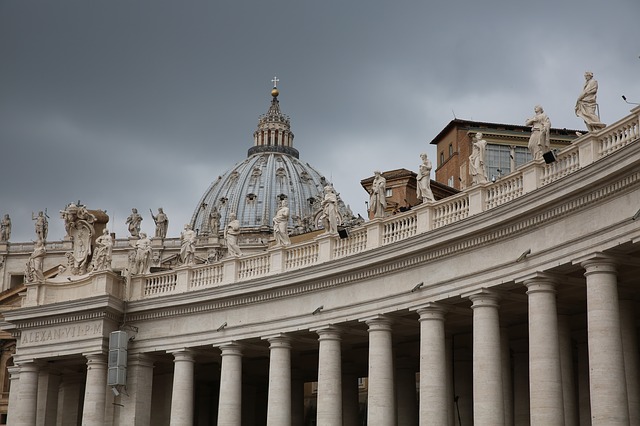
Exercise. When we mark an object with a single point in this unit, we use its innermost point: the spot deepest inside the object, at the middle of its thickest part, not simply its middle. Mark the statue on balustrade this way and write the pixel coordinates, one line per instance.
(539, 142)
(586, 105)
(477, 168)
(378, 195)
(424, 179)
(102, 255)
(280, 224)
(188, 245)
(42, 225)
(5, 228)
(34, 272)
(143, 255)
(231, 233)
(133, 223)
(162, 223)
(329, 215)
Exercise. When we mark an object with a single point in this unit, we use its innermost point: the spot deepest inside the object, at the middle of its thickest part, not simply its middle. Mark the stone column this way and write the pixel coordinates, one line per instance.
(545, 374)
(407, 403)
(136, 400)
(521, 414)
(630, 347)
(434, 401)
(297, 399)
(488, 405)
(607, 382)
(279, 397)
(26, 403)
(584, 399)
(381, 407)
(568, 376)
(95, 391)
(230, 401)
(183, 388)
(350, 394)
(507, 379)
(14, 377)
(69, 399)
(329, 377)
(48, 390)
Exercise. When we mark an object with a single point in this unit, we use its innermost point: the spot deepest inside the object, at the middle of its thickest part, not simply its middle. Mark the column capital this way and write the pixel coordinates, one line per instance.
(231, 348)
(280, 340)
(378, 322)
(538, 276)
(183, 354)
(483, 298)
(141, 359)
(432, 311)
(96, 359)
(329, 332)
(597, 263)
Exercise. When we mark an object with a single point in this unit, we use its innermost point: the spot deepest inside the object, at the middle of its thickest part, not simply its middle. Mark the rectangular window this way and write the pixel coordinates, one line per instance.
(389, 192)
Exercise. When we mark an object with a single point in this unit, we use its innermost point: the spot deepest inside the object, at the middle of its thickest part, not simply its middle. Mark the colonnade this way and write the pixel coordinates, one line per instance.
(543, 382)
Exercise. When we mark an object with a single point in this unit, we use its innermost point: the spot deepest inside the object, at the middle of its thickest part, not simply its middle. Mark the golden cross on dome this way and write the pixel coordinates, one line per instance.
(275, 81)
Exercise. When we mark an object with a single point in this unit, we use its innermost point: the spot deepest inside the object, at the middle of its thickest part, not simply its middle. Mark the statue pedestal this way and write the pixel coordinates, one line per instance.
(4, 246)
(157, 243)
(213, 239)
(67, 244)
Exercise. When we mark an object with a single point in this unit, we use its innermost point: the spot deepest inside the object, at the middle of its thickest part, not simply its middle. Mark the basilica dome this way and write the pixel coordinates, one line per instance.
(253, 188)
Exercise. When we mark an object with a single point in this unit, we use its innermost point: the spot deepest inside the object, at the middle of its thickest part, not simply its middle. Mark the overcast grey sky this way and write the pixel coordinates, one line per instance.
(143, 103)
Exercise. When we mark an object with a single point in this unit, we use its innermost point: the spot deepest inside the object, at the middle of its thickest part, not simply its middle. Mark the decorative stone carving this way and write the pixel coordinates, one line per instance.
(539, 142)
(586, 104)
(142, 255)
(102, 255)
(78, 222)
(424, 179)
(477, 168)
(280, 222)
(42, 225)
(231, 233)
(133, 223)
(34, 272)
(329, 215)
(378, 196)
(188, 245)
(162, 223)
(5, 228)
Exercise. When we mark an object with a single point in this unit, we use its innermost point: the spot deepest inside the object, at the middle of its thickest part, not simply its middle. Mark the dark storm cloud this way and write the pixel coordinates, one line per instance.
(144, 103)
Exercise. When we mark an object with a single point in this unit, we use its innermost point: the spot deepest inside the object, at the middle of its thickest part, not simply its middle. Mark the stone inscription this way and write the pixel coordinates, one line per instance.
(60, 334)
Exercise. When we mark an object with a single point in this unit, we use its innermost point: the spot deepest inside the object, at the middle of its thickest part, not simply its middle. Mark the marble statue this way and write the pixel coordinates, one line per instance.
(330, 210)
(477, 168)
(378, 196)
(102, 255)
(143, 255)
(231, 233)
(539, 142)
(424, 179)
(78, 222)
(214, 221)
(280, 222)
(162, 223)
(133, 221)
(34, 272)
(188, 245)
(42, 225)
(586, 104)
(5, 228)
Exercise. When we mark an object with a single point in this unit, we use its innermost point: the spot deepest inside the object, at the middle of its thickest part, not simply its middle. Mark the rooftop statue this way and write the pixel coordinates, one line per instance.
(214, 221)
(162, 223)
(477, 168)
(133, 223)
(586, 104)
(188, 245)
(78, 223)
(42, 225)
(102, 255)
(231, 233)
(424, 179)
(280, 224)
(539, 142)
(330, 210)
(142, 255)
(5, 228)
(34, 272)
(378, 196)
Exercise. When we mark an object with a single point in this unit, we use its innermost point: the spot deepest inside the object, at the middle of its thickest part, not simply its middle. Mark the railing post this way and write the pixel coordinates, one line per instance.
(136, 288)
(477, 199)
(587, 150)
(424, 217)
(230, 268)
(375, 230)
(278, 256)
(183, 278)
(531, 176)
(326, 244)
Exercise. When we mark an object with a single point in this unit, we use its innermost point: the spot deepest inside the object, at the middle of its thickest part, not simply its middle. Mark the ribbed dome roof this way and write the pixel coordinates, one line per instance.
(252, 189)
